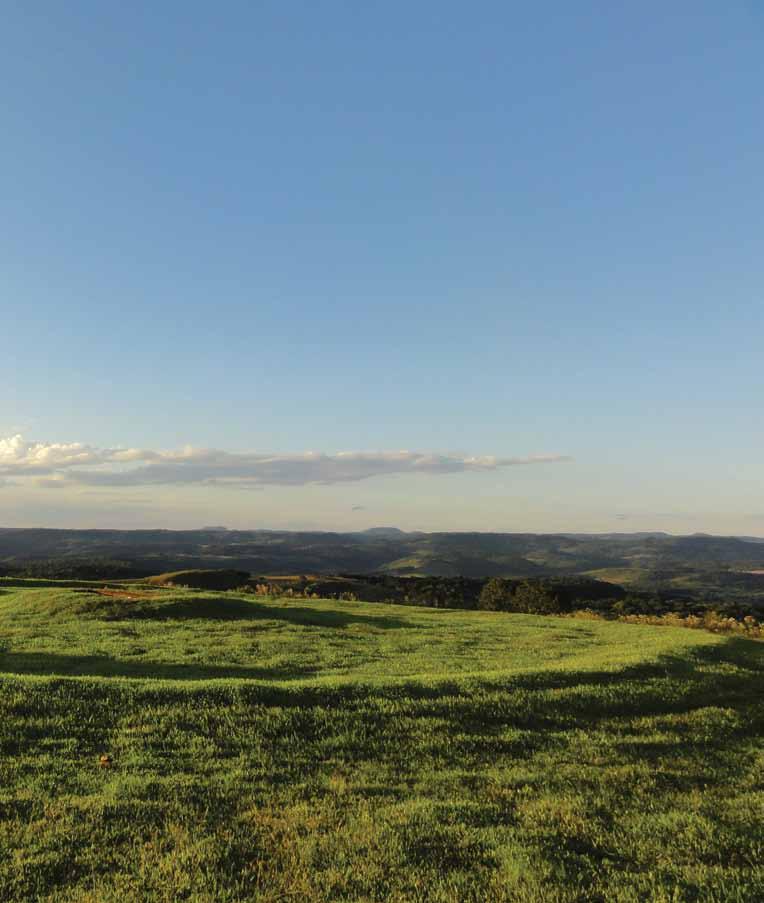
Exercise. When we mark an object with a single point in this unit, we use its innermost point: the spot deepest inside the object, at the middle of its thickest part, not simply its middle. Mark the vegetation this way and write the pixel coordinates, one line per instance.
(642, 558)
(72, 568)
(528, 597)
(202, 579)
(660, 574)
(162, 744)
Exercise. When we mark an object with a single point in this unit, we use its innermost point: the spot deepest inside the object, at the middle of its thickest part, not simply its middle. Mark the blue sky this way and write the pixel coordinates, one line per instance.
(475, 232)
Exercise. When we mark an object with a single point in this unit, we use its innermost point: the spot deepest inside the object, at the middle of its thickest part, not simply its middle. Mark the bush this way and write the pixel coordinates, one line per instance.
(495, 595)
(534, 599)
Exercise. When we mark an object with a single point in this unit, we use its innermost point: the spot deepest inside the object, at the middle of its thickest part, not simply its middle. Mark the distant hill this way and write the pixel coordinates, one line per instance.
(383, 550)
(381, 532)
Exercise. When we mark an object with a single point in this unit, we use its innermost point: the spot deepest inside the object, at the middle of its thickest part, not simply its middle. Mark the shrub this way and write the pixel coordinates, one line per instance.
(534, 599)
(495, 595)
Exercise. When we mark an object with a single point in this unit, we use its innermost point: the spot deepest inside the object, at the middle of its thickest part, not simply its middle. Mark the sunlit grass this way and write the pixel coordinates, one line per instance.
(293, 750)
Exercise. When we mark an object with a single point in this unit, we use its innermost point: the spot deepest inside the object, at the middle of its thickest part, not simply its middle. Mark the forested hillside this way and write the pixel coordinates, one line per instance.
(622, 557)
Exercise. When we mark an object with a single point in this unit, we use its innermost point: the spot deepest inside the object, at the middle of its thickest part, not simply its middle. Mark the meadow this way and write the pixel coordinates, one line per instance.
(162, 744)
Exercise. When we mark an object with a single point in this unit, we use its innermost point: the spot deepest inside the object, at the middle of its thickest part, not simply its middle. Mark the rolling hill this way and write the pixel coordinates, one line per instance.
(385, 550)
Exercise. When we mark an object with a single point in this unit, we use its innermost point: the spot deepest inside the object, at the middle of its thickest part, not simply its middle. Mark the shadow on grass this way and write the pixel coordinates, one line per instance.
(226, 608)
(707, 707)
(53, 664)
(709, 702)
(574, 735)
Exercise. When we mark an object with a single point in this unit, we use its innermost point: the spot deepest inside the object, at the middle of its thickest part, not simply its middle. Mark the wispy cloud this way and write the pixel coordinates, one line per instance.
(74, 463)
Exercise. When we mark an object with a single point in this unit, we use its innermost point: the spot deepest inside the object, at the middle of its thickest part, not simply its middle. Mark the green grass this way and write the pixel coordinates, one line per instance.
(621, 575)
(282, 750)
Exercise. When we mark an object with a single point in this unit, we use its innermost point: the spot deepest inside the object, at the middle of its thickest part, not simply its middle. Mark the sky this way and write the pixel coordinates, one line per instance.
(444, 266)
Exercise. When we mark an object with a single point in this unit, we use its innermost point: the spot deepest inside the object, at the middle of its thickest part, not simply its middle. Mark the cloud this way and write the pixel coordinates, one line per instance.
(77, 464)
(17, 456)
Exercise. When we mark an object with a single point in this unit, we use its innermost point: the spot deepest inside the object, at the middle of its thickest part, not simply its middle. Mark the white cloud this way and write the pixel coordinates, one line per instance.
(18, 456)
(56, 465)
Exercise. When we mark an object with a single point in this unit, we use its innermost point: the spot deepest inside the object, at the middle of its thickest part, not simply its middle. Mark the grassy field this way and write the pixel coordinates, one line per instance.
(290, 750)
(624, 576)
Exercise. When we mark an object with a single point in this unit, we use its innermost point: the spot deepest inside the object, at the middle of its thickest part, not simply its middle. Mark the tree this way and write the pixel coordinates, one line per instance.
(534, 599)
(495, 595)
